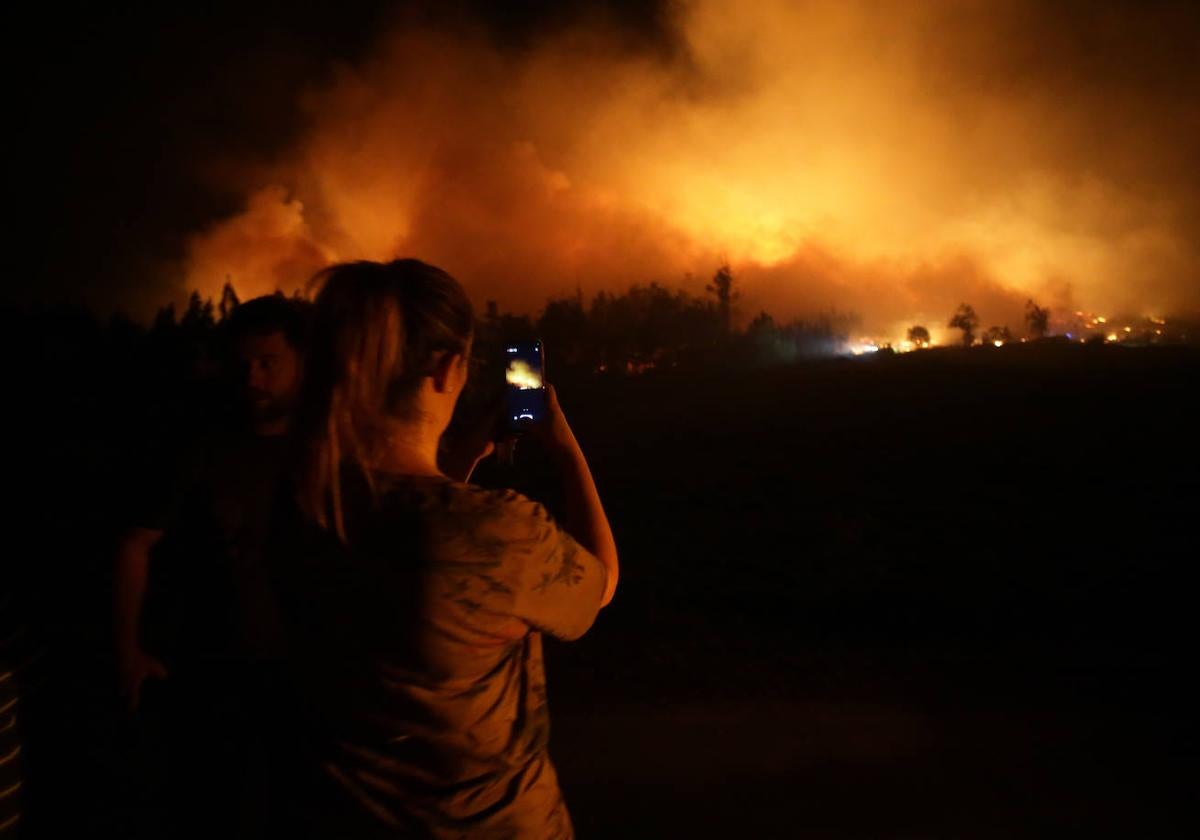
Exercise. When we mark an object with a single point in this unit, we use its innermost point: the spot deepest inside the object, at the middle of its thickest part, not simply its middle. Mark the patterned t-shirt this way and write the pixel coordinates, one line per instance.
(422, 651)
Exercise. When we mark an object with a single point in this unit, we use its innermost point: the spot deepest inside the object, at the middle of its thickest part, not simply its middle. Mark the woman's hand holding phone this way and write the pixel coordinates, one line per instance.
(554, 432)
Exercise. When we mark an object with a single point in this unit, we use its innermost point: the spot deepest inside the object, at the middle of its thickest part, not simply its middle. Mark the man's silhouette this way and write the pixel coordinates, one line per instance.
(194, 608)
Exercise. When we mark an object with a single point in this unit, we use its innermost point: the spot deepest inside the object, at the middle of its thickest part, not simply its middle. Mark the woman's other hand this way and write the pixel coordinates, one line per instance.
(461, 453)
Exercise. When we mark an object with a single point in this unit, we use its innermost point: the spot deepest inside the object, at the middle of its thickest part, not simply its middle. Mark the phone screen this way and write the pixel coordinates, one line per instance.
(525, 392)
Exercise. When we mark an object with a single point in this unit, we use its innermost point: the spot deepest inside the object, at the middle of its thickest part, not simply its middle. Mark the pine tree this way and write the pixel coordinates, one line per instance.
(722, 289)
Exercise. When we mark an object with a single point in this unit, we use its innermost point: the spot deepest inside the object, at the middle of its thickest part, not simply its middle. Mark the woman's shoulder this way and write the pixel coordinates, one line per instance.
(494, 509)
(444, 497)
(459, 522)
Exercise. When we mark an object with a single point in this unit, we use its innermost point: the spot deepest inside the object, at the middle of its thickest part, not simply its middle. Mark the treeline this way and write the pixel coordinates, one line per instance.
(650, 326)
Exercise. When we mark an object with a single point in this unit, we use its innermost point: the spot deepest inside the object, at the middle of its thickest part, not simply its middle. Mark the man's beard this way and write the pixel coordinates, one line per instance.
(268, 410)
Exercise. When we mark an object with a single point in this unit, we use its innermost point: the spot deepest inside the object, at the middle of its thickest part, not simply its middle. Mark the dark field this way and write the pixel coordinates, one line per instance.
(941, 595)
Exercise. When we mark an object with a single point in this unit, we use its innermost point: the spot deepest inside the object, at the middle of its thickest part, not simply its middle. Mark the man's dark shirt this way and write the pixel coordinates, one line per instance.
(209, 596)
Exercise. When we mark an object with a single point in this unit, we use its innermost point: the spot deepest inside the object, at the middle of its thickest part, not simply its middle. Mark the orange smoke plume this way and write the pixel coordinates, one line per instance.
(891, 159)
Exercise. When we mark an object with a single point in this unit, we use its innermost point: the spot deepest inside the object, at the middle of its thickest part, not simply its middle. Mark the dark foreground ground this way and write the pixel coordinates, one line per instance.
(938, 595)
(943, 595)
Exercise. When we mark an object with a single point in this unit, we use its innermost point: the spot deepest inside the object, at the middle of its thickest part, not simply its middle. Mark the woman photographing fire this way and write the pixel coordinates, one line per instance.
(418, 601)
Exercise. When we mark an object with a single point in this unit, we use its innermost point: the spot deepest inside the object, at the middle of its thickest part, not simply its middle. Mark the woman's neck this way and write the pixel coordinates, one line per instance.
(412, 451)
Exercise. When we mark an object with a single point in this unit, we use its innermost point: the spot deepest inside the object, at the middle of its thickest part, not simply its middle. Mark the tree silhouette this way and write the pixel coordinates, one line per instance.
(762, 323)
(563, 325)
(1037, 318)
(229, 301)
(164, 319)
(722, 289)
(966, 320)
(198, 317)
(919, 336)
(995, 334)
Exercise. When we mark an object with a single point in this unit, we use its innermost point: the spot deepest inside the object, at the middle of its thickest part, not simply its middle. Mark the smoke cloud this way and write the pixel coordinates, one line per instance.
(889, 159)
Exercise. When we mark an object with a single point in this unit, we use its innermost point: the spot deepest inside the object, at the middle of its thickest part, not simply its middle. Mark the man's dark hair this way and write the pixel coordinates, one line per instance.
(272, 313)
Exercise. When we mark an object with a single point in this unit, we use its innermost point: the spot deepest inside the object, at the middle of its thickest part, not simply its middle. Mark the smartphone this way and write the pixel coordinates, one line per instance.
(525, 384)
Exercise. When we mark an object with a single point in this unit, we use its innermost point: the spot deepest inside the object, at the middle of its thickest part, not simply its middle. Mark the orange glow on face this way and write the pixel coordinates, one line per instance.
(817, 147)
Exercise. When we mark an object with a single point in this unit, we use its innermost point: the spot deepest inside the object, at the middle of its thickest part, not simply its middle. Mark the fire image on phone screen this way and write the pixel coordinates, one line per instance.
(525, 384)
